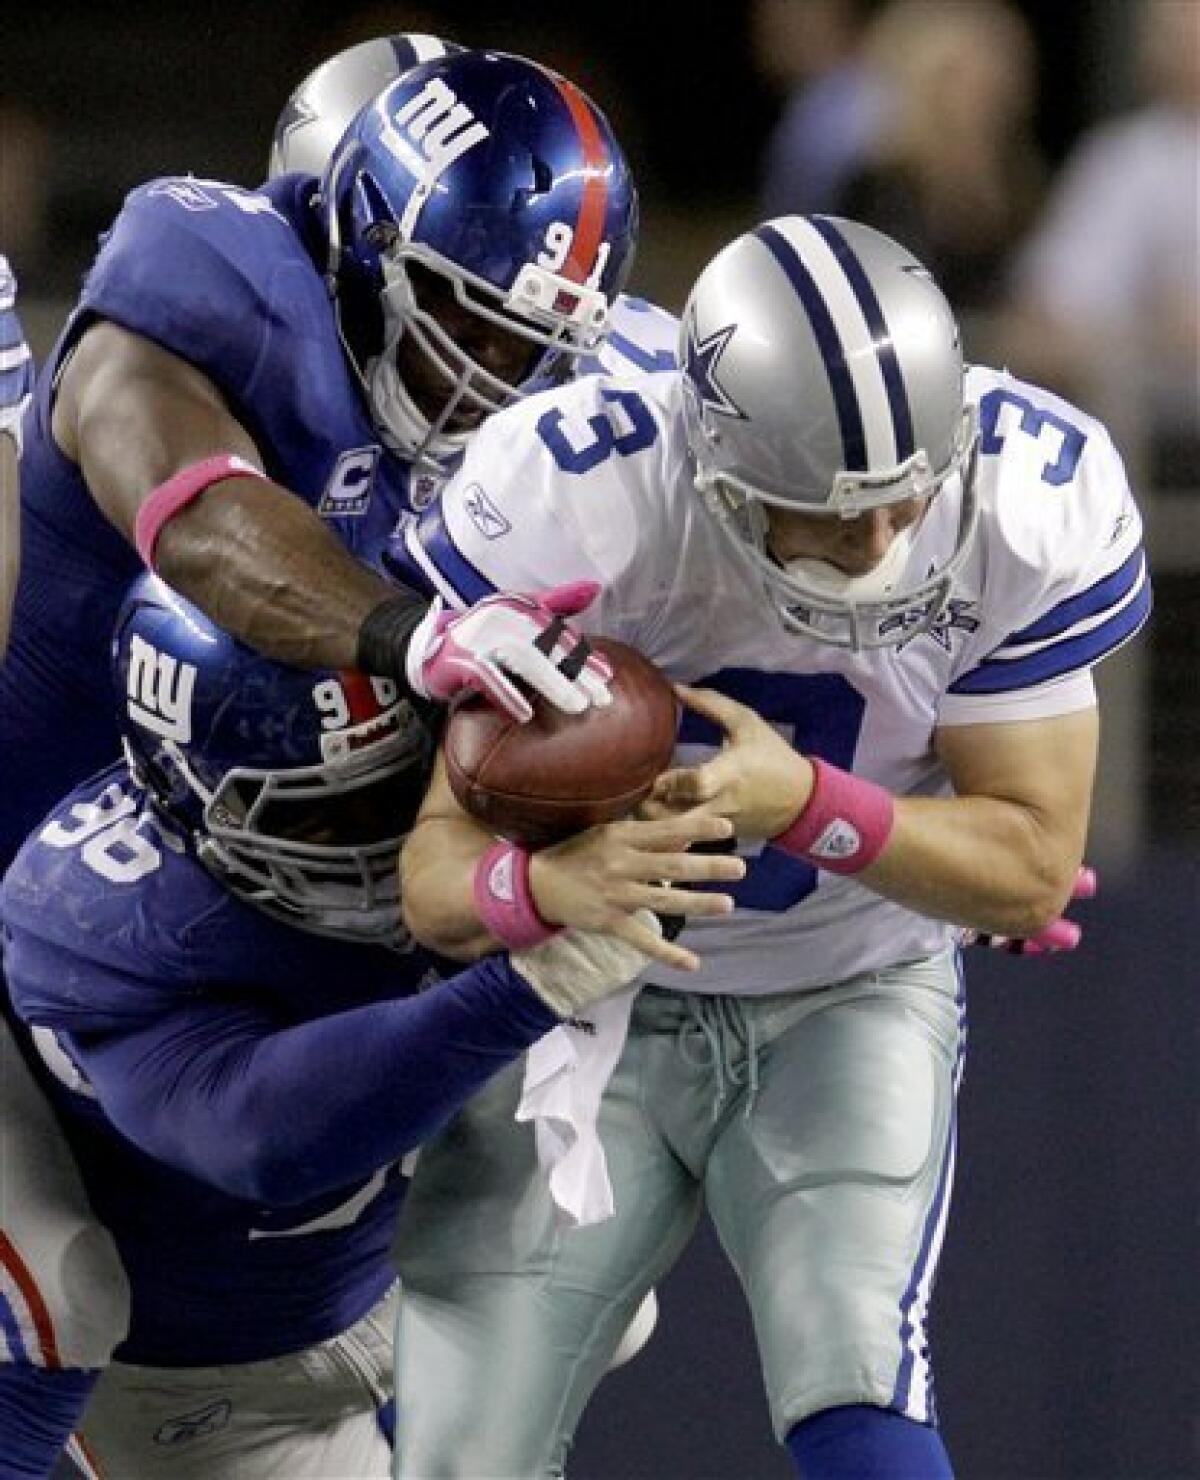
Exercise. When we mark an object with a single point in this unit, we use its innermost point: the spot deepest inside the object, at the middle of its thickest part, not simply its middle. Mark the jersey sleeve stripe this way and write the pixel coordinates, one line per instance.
(444, 562)
(14, 355)
(18, 1280)
(1104, 593)
(999, 675)
(649, 360)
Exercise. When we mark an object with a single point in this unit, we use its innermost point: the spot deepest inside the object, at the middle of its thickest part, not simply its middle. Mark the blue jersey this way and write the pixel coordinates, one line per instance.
(225, 279)
(237, 1093)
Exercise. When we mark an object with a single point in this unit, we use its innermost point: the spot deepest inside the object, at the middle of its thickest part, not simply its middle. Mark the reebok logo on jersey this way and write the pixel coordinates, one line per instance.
(840, 839)
(196, 1425)
(348, 492)
(484, 515)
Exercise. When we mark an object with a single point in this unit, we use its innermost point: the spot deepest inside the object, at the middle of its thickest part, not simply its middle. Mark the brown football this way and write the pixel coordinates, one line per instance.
(538, 782)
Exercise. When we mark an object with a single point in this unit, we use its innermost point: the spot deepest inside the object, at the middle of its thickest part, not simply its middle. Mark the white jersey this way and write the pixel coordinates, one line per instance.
(592, 482)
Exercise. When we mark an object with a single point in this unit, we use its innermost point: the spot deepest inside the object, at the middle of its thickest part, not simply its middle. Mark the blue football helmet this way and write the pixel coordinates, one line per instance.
(480, 201)
(296, 787)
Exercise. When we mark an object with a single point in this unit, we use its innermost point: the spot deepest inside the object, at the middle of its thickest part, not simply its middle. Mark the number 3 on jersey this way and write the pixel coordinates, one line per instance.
(820, 714)
(624, 426)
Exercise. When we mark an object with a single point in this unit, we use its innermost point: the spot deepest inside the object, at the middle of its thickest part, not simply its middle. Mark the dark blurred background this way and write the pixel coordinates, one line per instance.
(1043, 160)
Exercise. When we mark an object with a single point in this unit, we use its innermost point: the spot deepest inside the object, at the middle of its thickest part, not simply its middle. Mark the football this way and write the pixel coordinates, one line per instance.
(536, 783)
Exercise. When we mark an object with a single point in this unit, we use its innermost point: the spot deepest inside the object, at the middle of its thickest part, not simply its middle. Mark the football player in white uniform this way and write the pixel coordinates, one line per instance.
(884, 579)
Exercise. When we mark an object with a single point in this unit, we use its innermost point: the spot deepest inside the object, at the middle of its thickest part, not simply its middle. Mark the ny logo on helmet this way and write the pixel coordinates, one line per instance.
(440, 127)
(159, 690)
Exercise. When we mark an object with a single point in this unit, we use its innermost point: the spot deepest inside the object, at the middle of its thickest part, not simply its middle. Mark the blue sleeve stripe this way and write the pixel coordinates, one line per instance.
(649, 360)
(1106, 591)
(447, 560)
(1000, 676)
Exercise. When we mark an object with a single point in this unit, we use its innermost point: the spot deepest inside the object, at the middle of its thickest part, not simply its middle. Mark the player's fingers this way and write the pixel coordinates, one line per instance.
(487, 679)
(541, 674)
(675, 831)
(694, 868)
(651, 944)
(596, 685)
(720, 708)
(686, 786)
(1087, 884)
(1060, 935)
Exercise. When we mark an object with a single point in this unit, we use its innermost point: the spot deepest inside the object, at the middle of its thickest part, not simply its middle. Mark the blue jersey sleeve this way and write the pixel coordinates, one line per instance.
(227, 1089)
(265, 1111)
(216, 274)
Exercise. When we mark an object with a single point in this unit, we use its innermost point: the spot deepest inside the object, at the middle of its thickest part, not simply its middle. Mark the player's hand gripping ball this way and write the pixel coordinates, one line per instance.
(559, 773)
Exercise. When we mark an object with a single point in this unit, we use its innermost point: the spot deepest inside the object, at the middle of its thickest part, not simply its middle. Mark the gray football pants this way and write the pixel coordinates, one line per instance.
(311, 1415)
(818, 1127)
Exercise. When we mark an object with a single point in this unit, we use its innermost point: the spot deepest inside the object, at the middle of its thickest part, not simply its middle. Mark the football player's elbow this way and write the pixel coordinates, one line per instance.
(1046, 891)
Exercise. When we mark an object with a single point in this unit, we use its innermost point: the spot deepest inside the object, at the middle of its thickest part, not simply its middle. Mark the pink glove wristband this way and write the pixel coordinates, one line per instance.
(178, 491)
(503, 899)
(844, 825)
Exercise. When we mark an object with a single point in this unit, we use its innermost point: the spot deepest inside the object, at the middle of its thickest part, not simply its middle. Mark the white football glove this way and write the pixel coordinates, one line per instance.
(525, 636)
(576, 968)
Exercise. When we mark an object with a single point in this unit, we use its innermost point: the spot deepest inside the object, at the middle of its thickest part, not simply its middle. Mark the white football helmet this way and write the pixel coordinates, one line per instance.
(318, 113)
(823, 375)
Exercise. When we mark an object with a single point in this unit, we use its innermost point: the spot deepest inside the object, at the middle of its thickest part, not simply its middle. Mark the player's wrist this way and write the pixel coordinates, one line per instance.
(385, 637)
(844, 825)
(504, 898)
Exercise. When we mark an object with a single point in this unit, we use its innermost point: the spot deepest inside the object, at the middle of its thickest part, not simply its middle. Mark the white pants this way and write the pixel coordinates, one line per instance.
(312, 1415)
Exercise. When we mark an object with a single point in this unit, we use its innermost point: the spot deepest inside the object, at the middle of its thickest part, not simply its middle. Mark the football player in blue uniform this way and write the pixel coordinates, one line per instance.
(257, 385)
(205, 949)
(284, 354)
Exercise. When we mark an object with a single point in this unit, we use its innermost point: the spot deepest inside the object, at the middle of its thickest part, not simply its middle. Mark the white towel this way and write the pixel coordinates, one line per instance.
(565, 1075)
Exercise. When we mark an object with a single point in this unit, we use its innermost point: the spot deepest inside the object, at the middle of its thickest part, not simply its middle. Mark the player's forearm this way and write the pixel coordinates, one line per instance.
(260, 563)
(437, 871)
(281, 1115)
(978, 861)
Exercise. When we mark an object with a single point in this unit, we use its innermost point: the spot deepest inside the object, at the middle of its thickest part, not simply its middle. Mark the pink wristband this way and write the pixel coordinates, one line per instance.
(178, 491)
(503, 899)
(844, 825)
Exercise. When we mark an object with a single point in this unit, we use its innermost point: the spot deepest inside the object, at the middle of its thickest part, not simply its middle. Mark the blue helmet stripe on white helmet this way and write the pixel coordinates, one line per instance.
(853, 337)
(850, 422)
(414, 48)
(881, 336)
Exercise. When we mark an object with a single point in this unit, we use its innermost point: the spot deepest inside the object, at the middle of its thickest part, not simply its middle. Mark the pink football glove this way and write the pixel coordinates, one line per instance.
(1060, 935)
(522, 636)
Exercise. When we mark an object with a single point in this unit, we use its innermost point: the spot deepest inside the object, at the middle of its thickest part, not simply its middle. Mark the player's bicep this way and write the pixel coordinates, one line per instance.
(1046, 766)
(131, 414)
